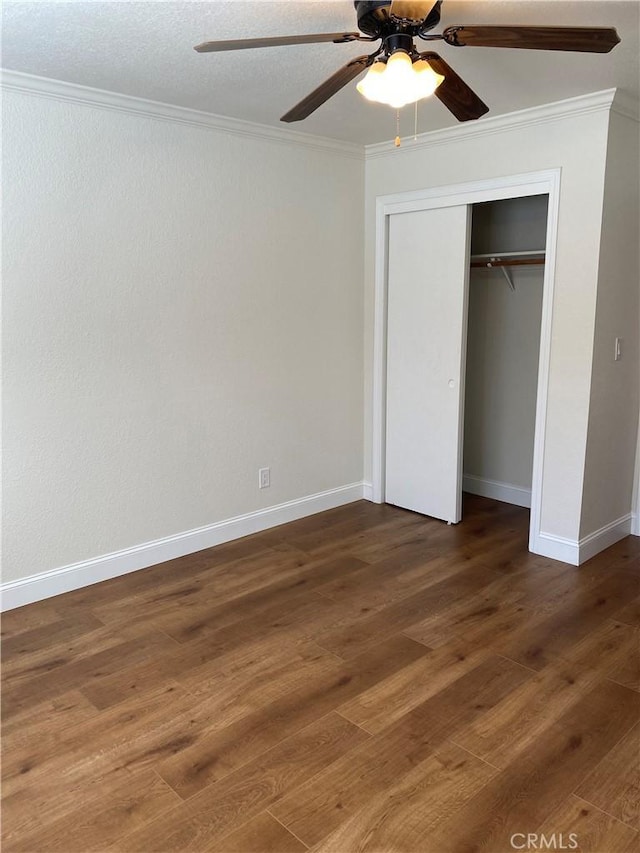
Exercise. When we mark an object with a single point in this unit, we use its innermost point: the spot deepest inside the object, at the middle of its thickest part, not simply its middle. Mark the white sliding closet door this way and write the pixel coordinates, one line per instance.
(426, 336)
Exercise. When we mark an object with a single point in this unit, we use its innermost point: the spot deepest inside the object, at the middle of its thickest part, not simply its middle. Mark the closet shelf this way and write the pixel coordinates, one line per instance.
(508, 259)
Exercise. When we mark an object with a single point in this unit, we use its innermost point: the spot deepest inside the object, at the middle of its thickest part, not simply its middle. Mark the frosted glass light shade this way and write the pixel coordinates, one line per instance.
(399, 81)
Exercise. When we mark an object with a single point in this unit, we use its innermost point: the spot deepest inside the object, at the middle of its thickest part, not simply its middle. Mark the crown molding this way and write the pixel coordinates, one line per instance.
(59, 90)
(571, 107)
(625, 105)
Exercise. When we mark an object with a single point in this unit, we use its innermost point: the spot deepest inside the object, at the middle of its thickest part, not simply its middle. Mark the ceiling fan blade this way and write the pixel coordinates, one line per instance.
(453, 92)
(585, 39)
(412, 11)
(277, 41)
(329, 88)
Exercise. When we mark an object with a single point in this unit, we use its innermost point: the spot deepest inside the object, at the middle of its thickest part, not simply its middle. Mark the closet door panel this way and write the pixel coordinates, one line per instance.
(426, 334)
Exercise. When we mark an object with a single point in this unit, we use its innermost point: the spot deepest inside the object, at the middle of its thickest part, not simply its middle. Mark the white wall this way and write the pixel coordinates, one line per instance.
(613, 413)
(501, 383)
(181, 306)
(575, 143)
(510, 225)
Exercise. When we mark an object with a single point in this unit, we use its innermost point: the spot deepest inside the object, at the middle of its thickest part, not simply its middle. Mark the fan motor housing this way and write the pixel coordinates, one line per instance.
(372, 15)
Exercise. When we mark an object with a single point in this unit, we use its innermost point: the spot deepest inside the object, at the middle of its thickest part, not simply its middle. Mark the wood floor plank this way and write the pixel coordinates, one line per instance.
(232, 693)
(21, 619)
(522, 717)
(315, 809)
(521, 797)
(410, 810)
(206, 589)
(95, 824)
(256, 675)
(133, 735)
(354, 639)
(327, 540)
(75, 674)
(586, 829)
(245, 612)
(43, 636)
(123, 587)
(414, 530)
(627, 564)
(553, 586)
(395, 696)
(192, 663)
(626, 669)
(623, 556)
(614, 785)
(51, 778)
(300, 610)
(602, 650)
(547, 637)
(362, 679)
(629, 614)
(234, 679)
(219, 808)
(503, 554)
(324, 521)
(216, 756)
(394, 578)
(31, 665)
(485, 611)
(250, 605)
(262, 834)
(370, 542)
(61, 713)
(482, 534)
(295, 619)
(477, 624)
(30, 812)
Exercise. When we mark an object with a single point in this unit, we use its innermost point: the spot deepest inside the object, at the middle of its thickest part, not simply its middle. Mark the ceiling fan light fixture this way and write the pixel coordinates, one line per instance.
(428, 79)
(399, 81)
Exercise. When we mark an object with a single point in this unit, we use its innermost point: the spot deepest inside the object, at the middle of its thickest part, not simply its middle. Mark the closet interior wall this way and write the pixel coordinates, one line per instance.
(503, 346)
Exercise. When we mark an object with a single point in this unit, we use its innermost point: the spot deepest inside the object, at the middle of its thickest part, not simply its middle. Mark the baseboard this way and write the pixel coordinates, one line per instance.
(498, 491)
(635, 524)
(67, 578)
(607, 536)
(556, 547)
(367, 491)
(578, 552)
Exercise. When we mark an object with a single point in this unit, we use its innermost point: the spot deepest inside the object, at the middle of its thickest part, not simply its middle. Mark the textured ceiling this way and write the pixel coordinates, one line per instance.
(145, 49)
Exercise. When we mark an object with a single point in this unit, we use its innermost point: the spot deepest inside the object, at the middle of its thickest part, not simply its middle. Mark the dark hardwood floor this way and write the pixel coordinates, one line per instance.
(366, 679)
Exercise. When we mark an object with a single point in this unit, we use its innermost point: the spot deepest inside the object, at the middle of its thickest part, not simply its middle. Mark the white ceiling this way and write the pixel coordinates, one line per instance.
(145, 49)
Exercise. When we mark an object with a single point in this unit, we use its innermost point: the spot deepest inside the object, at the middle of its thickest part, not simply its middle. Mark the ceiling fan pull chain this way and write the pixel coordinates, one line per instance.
(397, 140)
(415, 123)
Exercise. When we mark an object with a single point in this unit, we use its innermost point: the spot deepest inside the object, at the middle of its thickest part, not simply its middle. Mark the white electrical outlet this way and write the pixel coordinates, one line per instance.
(264, 478)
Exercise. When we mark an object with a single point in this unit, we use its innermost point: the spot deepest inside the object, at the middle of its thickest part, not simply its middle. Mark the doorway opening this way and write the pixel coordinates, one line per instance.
(506, 285)
(496, 463)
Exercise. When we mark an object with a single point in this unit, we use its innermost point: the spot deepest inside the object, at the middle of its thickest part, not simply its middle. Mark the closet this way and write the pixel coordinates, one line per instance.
(464, 300)
(503, 346)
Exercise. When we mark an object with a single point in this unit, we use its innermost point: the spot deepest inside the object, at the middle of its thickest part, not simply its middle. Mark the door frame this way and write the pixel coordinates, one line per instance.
(495, 189)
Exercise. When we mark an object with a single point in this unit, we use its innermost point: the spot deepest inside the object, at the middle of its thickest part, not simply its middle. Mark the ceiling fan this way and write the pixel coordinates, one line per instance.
(395, 24)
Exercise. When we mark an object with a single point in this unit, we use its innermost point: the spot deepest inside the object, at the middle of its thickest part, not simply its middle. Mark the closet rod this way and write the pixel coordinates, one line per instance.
(508, 259)
(507, 262)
